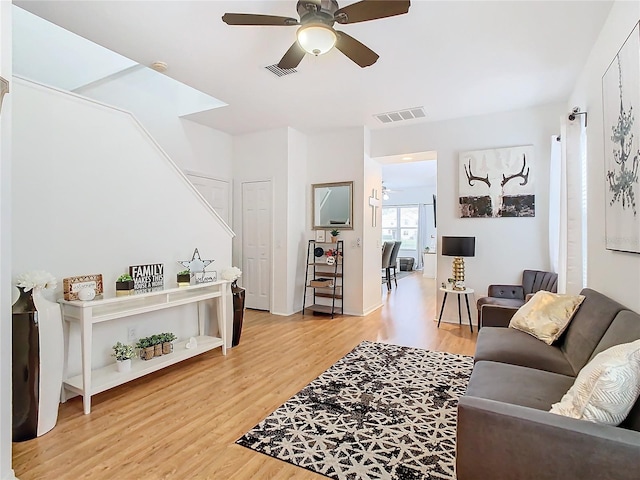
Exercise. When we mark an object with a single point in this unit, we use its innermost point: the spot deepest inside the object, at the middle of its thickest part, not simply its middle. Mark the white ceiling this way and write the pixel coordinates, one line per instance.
(454, 58)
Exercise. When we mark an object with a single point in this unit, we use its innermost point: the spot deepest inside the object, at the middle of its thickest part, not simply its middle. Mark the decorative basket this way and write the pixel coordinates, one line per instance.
(147, 353)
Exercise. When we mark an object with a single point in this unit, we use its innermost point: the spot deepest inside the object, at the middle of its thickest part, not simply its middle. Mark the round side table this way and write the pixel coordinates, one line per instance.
(466, 292)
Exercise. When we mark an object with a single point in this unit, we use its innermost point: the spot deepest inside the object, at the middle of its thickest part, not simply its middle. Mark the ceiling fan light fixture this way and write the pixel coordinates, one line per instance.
(316, 38)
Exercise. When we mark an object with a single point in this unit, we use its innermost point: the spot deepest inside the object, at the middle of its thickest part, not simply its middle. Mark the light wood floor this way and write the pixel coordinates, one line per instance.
(182, 422)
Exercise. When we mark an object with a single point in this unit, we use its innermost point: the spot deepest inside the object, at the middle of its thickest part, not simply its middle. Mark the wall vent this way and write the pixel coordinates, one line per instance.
(280, 72)
(401, 115)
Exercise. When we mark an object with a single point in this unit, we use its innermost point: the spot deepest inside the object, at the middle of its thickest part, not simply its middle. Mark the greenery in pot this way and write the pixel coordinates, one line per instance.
(147, 348)
(167, 337)
(335, 232)
(184, 277)
(167, 346)
(123, 352)
(124, 285)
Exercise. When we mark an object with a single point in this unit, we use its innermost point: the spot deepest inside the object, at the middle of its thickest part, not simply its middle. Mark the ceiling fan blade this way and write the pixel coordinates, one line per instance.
(293, 57)
(254, 19)
(356, 51)
(371, 10)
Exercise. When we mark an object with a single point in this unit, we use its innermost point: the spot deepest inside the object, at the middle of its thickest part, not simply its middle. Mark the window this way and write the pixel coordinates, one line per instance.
(401, 223)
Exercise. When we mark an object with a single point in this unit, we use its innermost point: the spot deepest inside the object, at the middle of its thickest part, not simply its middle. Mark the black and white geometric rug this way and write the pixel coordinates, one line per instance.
(380, 412)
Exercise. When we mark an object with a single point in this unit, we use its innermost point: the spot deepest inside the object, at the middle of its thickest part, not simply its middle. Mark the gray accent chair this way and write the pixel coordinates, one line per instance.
(504, 428)
(504, 300)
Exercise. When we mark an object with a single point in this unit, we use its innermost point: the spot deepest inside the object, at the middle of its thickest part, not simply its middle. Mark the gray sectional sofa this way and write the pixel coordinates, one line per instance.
(505, 430)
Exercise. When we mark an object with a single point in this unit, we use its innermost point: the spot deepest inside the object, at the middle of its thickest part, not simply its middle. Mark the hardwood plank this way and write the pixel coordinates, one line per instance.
(182, 422)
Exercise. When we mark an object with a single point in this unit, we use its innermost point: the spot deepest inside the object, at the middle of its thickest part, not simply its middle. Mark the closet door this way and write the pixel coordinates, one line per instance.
(256, 244)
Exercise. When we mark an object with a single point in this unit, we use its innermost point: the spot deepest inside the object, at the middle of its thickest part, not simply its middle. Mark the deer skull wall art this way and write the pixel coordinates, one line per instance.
(497, 183)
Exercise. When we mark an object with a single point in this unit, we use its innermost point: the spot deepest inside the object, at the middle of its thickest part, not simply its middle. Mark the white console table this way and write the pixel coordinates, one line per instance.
(86, 314)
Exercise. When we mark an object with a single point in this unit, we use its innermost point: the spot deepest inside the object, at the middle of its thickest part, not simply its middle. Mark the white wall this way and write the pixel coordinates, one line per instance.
(616, 274)
(338, 156)
(504, 246)
(6, 472)
(190, 145)
(371, 235)
(257, 157)
(296, 219)
(95, 194)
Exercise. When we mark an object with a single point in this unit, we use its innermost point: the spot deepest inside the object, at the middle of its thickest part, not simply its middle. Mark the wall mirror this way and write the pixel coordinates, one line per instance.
(332, 205)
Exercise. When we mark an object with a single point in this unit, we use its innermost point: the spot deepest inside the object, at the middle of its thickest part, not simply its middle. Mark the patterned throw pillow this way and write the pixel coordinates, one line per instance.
(546, 315)
(606, 388)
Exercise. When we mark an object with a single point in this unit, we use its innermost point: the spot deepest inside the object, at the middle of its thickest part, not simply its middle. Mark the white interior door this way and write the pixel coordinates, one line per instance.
(256, 244)
(215, 191)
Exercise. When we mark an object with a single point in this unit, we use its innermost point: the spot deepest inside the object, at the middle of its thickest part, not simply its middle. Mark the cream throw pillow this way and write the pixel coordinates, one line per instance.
(606, 388)
(546, 315)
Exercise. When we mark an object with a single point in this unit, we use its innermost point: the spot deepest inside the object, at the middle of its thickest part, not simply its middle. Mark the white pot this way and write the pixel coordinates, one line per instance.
(123, 365)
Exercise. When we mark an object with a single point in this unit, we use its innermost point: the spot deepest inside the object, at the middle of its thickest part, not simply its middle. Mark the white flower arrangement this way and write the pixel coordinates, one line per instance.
(231, 273)
(37, 280)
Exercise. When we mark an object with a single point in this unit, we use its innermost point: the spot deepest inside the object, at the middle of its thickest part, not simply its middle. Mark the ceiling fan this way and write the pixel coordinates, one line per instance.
(317, 35)
(386, 191)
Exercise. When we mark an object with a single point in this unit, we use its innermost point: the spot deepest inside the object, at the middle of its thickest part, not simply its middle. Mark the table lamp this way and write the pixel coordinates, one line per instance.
(458, 247)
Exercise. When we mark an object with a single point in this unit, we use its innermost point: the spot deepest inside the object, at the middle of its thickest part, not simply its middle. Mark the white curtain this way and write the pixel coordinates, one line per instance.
(567, 206)
(558, 209)
(575, 152)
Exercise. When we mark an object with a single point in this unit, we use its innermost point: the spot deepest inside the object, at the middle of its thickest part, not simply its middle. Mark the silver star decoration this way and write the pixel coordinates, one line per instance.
(196, 264)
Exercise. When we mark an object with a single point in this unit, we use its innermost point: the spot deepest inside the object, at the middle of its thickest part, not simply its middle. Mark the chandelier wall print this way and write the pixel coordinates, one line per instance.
(497, 183)
(621, 104)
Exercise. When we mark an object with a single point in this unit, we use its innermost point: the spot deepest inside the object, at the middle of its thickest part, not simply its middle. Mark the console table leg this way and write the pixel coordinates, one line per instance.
(459, 312)
(86, 338)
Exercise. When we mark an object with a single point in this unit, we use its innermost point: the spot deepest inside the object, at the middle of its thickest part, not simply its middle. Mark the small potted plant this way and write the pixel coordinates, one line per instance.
(156, 341)
(124, 285)
(334, 235)
(184, 278)
(147, 349)
(167, 346)
(124, 354)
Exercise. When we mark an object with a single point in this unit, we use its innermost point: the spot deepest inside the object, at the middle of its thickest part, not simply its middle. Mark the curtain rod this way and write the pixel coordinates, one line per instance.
(575, 112)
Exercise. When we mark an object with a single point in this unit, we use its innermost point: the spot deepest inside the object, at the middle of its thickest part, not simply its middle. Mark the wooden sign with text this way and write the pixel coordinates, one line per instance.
(147, 278)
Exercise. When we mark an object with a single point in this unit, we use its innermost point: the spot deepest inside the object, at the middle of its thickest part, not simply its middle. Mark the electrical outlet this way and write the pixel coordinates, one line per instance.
(132, 334)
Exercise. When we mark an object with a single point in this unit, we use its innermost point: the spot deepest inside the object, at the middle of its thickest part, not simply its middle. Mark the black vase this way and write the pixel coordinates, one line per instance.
(26, 367)
(238, 312)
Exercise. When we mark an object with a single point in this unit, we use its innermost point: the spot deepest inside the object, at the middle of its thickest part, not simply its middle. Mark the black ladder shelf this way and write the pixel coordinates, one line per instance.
(323, 281)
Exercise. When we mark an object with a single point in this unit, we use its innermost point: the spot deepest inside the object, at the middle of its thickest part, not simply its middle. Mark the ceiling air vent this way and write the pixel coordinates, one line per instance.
(280, 72)
(401, 115)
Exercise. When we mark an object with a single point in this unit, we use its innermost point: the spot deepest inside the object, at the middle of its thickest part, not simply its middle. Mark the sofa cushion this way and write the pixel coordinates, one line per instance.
(588, 327)
(624, 328)
(606, 388)
(546, 315)
(507, 345)
(504, 302)
(517, 385)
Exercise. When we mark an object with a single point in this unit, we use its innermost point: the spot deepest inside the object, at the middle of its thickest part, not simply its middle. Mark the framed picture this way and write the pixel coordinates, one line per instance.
(497, 183)
(621, 103)
(320, 236)
(72, 285)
